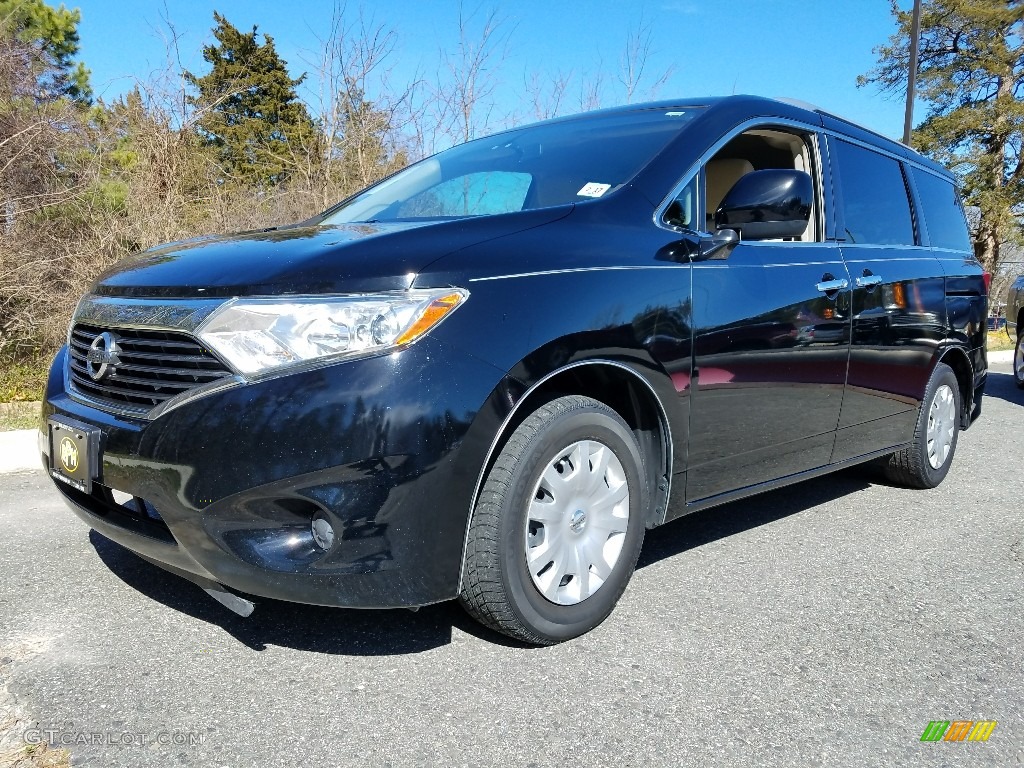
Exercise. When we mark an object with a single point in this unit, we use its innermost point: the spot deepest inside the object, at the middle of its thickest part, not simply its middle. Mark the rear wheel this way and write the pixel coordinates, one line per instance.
(925, 463)
(558, 526)
(1018, 358)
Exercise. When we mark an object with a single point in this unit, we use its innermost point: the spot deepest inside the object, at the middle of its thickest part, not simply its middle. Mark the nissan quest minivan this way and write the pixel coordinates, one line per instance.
(487, 376)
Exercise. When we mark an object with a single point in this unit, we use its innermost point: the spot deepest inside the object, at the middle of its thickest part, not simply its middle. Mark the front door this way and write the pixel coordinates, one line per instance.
(771, 330)
(770, 354)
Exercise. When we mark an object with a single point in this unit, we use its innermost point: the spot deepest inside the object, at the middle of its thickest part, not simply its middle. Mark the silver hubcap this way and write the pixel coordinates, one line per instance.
(576, 523)
(941, 426)
(1018, 359)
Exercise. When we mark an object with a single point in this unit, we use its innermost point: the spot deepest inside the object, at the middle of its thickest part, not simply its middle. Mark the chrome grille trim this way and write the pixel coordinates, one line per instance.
(182, 315)
(158, 370)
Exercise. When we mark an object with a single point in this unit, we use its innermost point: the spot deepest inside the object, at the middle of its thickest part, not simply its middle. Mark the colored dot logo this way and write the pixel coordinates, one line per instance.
(68, 454)
(958, 730)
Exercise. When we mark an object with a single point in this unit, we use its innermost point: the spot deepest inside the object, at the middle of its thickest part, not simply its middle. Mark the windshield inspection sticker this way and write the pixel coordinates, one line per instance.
(593, 189)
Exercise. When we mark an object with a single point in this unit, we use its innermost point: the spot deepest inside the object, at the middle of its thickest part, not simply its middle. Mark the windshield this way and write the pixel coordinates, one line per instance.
(534, 167)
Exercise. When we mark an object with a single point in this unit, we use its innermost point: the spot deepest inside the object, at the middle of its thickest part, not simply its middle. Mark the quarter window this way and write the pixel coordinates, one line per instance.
(682, 212)
(943, 211)
(876, 208)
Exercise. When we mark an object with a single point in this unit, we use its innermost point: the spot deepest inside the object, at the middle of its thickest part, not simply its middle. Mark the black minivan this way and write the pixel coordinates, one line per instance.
(486, 376)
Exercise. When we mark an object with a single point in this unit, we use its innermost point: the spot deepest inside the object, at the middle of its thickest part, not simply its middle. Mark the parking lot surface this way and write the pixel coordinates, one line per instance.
(823, 624)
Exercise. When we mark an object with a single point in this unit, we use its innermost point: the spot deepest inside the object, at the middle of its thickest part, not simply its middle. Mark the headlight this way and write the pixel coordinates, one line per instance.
(261, 335)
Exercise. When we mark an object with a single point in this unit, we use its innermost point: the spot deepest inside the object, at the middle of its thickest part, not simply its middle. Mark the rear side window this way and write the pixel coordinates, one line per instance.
(943, 211)
(876, 208)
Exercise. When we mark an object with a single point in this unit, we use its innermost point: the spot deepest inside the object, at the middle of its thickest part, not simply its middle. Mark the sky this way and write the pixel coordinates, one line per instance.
(810, 50)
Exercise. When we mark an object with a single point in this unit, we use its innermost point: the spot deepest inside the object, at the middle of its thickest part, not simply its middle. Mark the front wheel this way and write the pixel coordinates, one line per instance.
(558, 526)
(925, 463)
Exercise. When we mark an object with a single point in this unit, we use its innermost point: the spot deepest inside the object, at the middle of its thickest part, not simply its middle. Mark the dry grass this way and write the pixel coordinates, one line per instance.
(21, 415)
(35, 756)
(23, 380)
(999, 341)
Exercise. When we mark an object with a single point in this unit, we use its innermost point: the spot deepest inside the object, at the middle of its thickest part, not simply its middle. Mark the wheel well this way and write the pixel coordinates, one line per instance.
(628, 395)
(957, 359)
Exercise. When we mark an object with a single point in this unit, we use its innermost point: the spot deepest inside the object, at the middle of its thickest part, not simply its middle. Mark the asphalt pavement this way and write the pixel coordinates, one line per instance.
(825, 624)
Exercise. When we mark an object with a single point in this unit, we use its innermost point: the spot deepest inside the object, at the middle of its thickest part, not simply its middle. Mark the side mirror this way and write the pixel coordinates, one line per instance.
(767, 204)
(718, 246)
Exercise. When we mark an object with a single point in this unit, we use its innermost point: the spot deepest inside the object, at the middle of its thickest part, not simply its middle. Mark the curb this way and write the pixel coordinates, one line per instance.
(1003, 356)
(19, 451)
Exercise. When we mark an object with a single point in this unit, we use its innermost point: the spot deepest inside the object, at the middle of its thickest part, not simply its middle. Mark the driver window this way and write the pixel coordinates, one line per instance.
(757, 150)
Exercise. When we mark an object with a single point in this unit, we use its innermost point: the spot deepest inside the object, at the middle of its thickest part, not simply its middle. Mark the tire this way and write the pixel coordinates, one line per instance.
(541, 517)
(1018, 358)
(925, 463)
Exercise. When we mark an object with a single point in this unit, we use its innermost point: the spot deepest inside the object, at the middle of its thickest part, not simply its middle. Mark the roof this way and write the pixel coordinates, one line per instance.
(826, 118)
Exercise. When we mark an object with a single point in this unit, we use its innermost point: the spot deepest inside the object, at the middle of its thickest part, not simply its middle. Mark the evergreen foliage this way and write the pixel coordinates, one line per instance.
(971, 77)
(51, 35)
(250, 114)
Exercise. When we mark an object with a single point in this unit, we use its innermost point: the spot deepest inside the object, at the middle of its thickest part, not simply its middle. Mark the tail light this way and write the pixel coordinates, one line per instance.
(988, 281)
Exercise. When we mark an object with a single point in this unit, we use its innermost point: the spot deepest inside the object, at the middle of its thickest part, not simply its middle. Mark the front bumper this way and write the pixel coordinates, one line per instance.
(388, 449)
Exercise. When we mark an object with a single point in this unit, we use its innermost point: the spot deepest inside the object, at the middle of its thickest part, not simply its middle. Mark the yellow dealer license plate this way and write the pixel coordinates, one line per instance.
(74, 453)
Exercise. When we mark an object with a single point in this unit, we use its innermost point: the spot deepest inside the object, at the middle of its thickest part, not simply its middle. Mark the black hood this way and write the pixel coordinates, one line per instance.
(304, 259)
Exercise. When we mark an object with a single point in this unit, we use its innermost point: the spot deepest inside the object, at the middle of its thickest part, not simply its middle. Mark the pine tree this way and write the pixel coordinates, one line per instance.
(51, 39)
(971, 77)
(42, 95)
(250, 114)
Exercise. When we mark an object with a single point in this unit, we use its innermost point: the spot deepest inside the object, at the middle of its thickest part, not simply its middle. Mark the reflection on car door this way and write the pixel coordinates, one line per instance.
(770, 347)
(899, 313)
(766, 394)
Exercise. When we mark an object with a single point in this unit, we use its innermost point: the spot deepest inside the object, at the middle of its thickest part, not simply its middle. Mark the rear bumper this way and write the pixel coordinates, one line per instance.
(387, 449)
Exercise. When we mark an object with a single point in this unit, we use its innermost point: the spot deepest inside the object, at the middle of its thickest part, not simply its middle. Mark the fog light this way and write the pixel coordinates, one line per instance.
(323, 532)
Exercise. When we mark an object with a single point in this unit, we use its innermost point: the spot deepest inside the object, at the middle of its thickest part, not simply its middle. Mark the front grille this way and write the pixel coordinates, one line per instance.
(152, 366)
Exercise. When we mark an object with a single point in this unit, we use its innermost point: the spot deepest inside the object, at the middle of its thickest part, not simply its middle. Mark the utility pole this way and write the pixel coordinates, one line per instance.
(915, 35)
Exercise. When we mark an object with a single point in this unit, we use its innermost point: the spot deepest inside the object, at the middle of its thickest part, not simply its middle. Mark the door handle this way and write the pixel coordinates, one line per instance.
(868, 281)
(831, 286)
